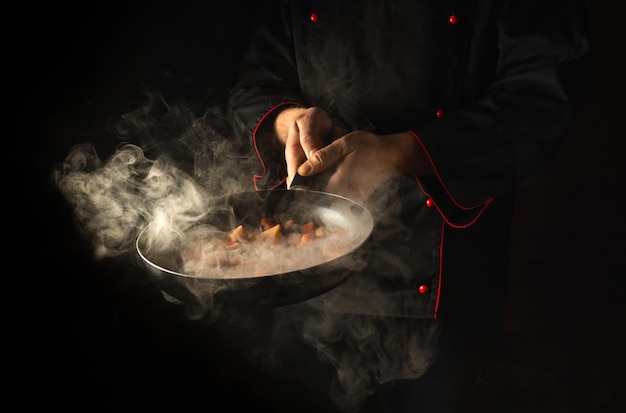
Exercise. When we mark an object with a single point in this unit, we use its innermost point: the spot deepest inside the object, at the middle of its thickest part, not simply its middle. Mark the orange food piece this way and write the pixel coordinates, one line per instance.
(237, 235)
(273, 233)
(307, 237)
(308, 227)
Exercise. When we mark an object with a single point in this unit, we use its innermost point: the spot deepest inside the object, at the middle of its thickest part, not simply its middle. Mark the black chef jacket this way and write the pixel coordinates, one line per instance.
(487, 87)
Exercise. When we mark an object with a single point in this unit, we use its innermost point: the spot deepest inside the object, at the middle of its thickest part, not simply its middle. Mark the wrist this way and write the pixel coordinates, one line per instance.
(409, 156)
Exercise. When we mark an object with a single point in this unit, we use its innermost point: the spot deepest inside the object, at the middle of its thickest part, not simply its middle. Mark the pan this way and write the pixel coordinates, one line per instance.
(275, 288)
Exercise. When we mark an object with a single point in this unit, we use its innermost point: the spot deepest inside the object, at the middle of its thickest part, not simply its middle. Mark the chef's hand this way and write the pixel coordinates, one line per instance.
(363, 161)
(303, 131)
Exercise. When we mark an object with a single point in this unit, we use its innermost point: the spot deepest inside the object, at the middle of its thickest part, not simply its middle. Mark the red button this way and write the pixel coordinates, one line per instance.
(423, 289)
(313, 17)
(439, 113)
(453, 19)
(429, 203)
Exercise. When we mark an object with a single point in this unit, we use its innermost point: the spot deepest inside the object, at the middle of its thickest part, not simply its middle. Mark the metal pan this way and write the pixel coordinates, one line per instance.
(275, 289)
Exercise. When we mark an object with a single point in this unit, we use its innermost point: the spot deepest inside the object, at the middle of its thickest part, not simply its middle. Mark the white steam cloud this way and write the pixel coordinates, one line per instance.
(163, 176)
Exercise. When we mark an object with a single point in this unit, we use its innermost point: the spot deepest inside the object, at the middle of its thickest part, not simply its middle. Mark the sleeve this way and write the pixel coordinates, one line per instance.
(267, 83)
(486, 148)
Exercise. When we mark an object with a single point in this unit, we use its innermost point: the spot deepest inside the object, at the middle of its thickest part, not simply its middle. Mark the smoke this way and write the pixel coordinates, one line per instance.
(362, 352)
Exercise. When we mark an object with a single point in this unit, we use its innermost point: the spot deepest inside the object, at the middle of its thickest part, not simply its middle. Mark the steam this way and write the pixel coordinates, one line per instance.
(164, 172)
(164, 176)
(113, 200)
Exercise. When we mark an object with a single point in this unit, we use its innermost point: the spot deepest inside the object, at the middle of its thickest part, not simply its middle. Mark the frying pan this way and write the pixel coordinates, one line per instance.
(276, 289)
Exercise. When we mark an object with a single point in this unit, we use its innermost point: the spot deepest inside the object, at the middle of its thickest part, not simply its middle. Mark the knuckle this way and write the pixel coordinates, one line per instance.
(319, 157)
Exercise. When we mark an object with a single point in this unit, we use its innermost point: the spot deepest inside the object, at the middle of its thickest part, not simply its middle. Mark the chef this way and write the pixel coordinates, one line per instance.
(430, 113)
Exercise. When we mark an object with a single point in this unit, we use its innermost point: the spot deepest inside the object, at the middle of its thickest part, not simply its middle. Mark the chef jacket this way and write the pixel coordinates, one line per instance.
(488, 88)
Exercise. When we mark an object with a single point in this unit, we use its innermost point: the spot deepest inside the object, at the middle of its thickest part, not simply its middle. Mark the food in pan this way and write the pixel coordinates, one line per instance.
(274, 247)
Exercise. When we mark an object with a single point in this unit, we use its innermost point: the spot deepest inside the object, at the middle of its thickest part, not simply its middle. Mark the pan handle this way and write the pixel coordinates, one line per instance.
(301, 182)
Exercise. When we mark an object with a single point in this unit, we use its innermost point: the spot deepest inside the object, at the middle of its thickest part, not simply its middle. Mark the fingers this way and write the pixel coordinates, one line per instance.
(313, 126)
(324, 158)
(305, 137)
(294, 155)
(304, 150)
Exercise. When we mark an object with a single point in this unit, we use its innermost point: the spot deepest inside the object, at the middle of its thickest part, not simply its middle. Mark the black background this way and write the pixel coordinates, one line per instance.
(84, 333)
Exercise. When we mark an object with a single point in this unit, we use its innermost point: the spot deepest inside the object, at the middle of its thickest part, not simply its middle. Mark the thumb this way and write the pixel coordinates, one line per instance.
(322, 159)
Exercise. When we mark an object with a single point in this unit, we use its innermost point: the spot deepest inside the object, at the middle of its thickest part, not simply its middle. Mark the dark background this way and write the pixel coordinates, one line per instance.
(81, 333)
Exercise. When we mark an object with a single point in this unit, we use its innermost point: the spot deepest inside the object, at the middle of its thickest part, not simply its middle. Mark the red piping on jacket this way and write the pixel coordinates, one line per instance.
(440, 275)
(445, 221)
(256, 148)
(482, 205)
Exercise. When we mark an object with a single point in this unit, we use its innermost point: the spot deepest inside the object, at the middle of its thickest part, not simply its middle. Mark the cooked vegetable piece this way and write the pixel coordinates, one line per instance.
(307, 227)
(237, 235)
(307, 237)
(273, 233)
